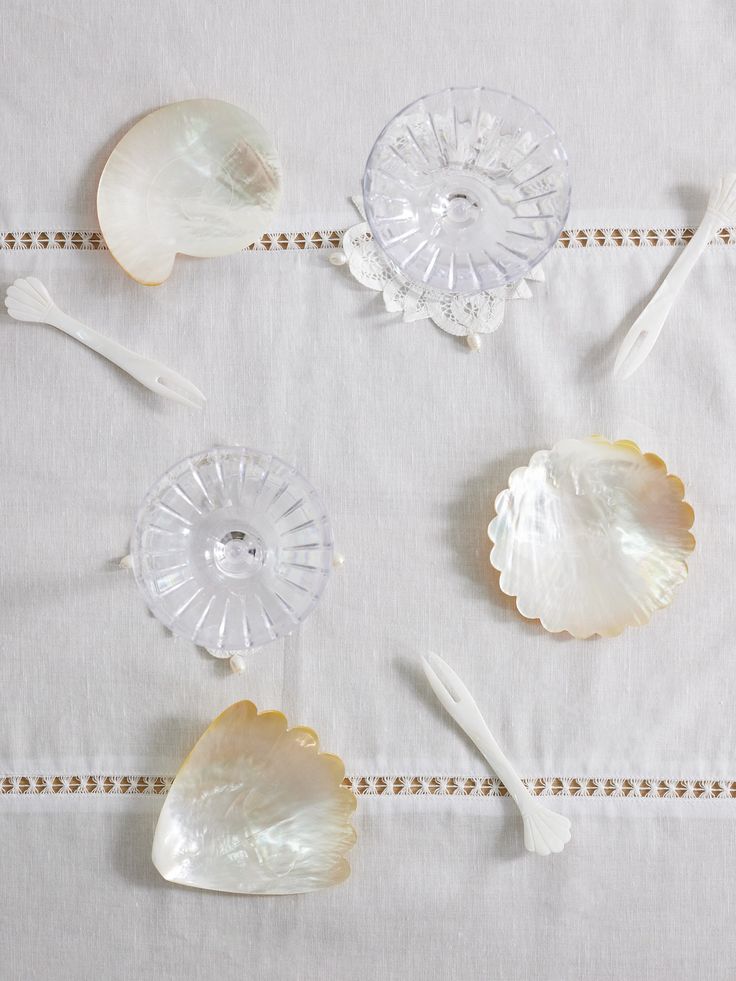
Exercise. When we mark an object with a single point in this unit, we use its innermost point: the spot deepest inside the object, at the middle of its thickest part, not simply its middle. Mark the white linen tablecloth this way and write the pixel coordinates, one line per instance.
(409, 437)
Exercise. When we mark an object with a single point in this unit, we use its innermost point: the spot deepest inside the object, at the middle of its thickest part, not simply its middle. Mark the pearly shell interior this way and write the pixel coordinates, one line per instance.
(592, 536)
(256, 808)
(200, 177)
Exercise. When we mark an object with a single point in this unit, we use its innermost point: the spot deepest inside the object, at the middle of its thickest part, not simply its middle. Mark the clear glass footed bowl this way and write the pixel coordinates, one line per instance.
(232, 548)
(466, 190)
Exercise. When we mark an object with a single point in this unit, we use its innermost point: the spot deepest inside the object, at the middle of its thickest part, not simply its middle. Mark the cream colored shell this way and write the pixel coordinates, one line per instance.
(200, 177)
(591, 537)
(256, 808)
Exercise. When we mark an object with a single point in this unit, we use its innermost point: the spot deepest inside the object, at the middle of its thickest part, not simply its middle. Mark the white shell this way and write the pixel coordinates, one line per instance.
(200, 177)
(256, 808)
(591, 537)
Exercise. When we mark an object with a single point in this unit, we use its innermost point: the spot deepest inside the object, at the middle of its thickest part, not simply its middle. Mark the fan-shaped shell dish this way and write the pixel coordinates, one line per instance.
(591, 537)
(256, 808)
(200, 177)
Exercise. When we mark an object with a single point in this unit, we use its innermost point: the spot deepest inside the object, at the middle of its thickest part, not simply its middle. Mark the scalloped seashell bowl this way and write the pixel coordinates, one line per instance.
(201, 178)
(256, 808)
(591, 537)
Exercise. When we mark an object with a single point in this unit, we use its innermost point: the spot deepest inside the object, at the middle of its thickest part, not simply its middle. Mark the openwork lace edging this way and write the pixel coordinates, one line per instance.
(396, 786)
(570, 238)
(94, 242)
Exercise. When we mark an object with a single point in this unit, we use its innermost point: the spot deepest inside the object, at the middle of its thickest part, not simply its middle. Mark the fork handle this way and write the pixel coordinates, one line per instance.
(655, 313)
(134, 364)
(484, 739)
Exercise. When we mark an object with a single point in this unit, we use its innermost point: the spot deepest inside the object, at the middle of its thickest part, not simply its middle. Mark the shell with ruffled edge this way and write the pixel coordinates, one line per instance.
(591, 537)
(256, 808)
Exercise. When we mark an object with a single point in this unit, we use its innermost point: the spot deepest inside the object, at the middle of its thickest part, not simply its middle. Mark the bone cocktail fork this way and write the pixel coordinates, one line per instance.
(643, 334)
(545, 831)
(28, 299)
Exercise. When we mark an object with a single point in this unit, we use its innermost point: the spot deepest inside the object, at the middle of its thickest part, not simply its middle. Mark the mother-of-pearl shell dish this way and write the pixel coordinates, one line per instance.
(592, 536)
(200, 177)
(256, 808)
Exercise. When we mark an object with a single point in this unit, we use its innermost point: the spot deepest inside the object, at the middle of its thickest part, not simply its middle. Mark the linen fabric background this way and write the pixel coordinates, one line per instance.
(409, 437)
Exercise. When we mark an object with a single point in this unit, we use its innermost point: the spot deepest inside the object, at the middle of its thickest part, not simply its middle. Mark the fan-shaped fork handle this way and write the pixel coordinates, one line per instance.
(545, 831)
(29, 300)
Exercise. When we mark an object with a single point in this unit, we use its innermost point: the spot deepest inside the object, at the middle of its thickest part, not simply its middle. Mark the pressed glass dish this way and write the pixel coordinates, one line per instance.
(467, 189)
(232, 548)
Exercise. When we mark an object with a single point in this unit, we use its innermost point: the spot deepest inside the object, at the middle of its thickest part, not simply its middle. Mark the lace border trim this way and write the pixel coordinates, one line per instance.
(397, 786)
(94, 242)
(570, 238)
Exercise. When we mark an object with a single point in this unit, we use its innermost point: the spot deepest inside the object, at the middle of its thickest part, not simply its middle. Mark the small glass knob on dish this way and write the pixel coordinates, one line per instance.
(466, 190)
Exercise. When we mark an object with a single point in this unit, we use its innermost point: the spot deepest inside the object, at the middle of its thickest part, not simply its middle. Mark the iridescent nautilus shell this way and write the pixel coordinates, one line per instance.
(200, 177)
(256, 808)
(592, 536)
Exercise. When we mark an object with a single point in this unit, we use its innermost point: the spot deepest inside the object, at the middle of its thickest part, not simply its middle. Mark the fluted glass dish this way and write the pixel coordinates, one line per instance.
(467, 190)
(232, 548)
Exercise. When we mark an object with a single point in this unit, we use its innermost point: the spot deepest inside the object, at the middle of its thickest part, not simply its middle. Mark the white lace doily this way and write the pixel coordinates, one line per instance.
(462, 315)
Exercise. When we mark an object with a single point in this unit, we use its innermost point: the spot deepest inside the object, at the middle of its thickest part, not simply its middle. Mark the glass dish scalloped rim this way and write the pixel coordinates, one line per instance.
(152, 493)
(468, 88)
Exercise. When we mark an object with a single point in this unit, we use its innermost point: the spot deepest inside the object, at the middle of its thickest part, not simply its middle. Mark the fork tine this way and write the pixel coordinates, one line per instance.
(435, 683)
(636, 353)
(627, 346)
(453, 695)
(172, 385)
(627, 369)
(449, 679)
(169, 393)
(174, 380)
